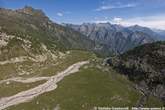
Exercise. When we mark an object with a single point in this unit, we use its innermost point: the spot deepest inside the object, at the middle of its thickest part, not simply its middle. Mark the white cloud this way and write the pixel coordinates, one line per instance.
(101, 21)
(60, 14)
(156, 21)
(117, 20)
(117, 6)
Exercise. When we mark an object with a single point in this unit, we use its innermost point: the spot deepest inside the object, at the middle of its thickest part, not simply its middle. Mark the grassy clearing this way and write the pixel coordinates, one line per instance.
(73, 57)
(14, 88)
(84, 90)
(7, 71)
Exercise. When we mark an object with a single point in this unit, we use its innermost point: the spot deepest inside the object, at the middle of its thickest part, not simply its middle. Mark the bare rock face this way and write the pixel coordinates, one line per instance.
(116, 37)
(31, 11)
(4, 39)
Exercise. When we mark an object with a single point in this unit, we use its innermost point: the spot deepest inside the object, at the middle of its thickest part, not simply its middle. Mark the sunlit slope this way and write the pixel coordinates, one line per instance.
(92, 86)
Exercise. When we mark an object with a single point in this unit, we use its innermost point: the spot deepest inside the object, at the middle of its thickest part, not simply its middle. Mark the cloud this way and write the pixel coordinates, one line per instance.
(117, 20)
(60, 14)
(117, 6)
(104, 19)
(101, 21)
(157, 21)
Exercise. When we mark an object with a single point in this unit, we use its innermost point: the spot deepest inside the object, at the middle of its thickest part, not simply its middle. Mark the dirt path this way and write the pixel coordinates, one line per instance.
(25, 80)
(50, 85)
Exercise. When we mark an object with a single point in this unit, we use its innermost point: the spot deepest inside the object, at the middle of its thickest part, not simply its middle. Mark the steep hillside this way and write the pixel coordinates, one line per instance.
(116, 37)
(29, 41)
(145, 65)
(33, 23)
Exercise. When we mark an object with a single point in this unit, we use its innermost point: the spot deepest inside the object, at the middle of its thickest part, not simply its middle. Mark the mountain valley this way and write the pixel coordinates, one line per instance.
(48, 66)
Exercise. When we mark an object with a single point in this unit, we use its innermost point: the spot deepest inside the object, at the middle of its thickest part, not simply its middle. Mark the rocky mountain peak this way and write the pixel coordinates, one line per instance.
(116, 37)
(31, 11)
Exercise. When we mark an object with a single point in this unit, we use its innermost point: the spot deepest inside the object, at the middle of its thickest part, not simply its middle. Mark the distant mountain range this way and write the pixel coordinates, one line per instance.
(161, 33)
(118, 38)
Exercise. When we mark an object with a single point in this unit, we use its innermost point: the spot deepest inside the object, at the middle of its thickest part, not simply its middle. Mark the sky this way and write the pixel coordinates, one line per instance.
(149, 13)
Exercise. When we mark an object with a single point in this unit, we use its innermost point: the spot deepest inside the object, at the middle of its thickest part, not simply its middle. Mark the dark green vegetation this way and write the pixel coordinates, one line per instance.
(145, 65)
(88, 88)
